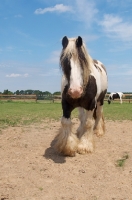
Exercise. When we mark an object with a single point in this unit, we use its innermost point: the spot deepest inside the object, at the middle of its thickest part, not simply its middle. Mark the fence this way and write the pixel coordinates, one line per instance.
(52, 98)
(127, 97)
(18, 97)
(44, 98)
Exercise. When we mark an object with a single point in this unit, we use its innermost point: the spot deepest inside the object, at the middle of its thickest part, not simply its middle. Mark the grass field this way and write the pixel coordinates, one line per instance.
(25, 113)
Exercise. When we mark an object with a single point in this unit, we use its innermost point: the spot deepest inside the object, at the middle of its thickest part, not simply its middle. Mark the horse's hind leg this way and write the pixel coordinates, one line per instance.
(99, 128)
(66, 141)
(81, 117)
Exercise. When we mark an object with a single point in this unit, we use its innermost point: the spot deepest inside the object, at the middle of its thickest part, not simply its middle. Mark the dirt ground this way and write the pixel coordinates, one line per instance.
(30, 169)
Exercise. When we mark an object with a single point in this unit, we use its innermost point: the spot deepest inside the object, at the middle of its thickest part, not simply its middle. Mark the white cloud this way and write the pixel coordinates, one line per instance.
(13, 75)
(57, 8)
(16, 75)
(115, 27)
(85, 11)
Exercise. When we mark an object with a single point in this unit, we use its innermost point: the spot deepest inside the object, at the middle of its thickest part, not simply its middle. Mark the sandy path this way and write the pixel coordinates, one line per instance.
(31, 170)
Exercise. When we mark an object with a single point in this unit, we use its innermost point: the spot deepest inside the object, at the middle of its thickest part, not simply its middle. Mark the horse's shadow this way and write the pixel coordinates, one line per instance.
(50, 153)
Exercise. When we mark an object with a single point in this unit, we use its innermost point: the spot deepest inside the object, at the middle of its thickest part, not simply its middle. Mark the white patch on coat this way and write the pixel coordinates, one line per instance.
(120, 94)
(101, 78)
(76, 79)
(67, 141)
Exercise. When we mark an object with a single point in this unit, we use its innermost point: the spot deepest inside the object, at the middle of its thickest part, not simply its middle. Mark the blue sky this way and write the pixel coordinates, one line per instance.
(31, 33)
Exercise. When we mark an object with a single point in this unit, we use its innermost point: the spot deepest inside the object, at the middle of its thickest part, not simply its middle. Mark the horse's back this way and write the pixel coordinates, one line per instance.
(120, 93)
(100, 74)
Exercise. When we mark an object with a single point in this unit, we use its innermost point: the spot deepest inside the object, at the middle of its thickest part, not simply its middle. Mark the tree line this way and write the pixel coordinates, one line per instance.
(29, 92)
(36, 92)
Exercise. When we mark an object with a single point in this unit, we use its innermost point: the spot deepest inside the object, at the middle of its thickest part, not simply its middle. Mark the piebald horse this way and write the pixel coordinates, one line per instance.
(84, 85)
(115, 95)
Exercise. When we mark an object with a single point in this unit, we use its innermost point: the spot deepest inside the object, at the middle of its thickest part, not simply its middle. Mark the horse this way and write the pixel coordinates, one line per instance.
(83, 86)
(115, 95)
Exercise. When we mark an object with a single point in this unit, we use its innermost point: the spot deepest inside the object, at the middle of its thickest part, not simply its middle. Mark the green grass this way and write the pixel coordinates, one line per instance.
(121, 162)
(25, 113)
(117, 111)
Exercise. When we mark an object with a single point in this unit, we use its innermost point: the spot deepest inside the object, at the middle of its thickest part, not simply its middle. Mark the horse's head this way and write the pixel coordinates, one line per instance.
(109, 99)
(73, 61)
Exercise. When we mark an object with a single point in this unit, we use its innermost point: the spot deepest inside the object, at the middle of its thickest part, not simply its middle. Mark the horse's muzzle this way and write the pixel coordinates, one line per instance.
(75, 93)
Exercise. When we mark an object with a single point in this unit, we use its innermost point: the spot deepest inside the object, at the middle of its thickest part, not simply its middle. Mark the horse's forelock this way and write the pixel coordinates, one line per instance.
(77, 53)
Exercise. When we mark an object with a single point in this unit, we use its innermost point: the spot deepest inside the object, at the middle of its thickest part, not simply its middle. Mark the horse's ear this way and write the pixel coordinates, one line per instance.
(79, 42)
(64, 42)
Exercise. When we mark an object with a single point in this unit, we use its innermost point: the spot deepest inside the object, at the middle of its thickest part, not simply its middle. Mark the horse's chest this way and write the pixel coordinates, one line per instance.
(87, 101)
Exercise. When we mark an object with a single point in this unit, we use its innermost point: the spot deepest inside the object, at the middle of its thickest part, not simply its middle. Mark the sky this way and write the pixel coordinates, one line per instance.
(31, 33)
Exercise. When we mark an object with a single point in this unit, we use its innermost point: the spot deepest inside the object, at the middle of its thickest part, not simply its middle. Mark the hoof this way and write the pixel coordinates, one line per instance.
(98, 132)
(85, 148)
(67, 146)
(69, 153)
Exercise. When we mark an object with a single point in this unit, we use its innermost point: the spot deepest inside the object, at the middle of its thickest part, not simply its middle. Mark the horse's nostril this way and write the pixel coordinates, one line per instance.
(75, 93)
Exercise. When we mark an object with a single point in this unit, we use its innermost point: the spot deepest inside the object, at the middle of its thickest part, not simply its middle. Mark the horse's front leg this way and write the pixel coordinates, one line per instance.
(66, 141)
(86, 141)
(81, 117)
(120, 100)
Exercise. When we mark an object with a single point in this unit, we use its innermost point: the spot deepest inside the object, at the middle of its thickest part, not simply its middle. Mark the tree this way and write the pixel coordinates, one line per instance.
(37, 92)
(29, 92)
(6, 92)
(17, 92)
(47, 93)
(21, 92)
(57, 93)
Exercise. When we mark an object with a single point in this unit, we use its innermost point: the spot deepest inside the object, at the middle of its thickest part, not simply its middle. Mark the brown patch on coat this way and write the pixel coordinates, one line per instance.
(96, 64)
